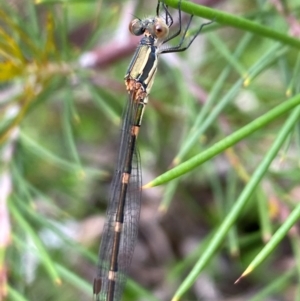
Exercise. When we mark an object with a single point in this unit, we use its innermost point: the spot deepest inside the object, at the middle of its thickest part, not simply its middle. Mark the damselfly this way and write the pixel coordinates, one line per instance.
(121, 227)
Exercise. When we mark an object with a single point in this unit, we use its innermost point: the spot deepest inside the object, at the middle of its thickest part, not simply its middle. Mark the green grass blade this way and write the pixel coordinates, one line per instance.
(275, 287)
(230, 140)
(240, 204)
(15, 295)
(234, 21)
(259, 66)
(274, 241)
(42, 253)
(73, 279)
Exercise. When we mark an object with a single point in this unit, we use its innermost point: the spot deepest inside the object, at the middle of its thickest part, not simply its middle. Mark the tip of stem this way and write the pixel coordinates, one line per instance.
(58, 281)
(248, 271)
(247, 82)
(175, 162)
(238, 280)
(148, 185)
(162, 209)
(288, 93)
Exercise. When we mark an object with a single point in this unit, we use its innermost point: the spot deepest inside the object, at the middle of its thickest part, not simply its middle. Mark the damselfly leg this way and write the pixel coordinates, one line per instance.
(179, 48)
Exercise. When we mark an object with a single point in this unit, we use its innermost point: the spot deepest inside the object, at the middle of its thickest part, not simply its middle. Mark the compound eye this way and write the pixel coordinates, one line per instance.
(136, 27)
(161, 29)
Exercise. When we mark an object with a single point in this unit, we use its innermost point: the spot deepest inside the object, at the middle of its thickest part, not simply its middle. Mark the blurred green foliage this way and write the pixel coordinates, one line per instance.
(62, 65)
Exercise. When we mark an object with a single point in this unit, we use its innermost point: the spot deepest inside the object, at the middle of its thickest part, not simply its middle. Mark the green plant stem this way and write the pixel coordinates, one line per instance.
(225, 143)
(234, 21)
(239, 205)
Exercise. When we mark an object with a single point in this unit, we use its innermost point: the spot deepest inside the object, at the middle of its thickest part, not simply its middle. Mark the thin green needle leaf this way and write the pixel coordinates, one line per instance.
(199, 125)
(225, 52)
(199, 128)
(33, 18)
(141, 292)
(266, 60)
(103, 104)
(47, 155)
(64, 32)
(168, 196)
(295, 79)
(225, 143)
(16, 296)
(72, 278)
(295, 241)
(239, 205)
(181, 267)
(67, 127)
(274, 241)
(264, 216)
(275, 287)
(233, 245)
(232, 20)
(42, 253)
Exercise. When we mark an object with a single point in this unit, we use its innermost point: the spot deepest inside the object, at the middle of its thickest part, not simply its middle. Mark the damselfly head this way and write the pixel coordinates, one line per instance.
(155, 27)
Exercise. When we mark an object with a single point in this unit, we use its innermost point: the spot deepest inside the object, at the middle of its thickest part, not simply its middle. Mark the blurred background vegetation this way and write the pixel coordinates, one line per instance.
(62, 65)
